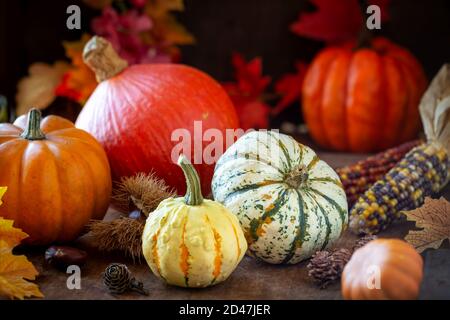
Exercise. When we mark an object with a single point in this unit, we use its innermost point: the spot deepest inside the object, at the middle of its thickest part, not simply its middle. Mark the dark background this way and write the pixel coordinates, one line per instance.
(32, 30)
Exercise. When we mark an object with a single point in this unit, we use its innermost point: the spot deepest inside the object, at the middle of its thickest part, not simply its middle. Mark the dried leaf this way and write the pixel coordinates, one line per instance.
(334, 21)
(14, 273)
(10, 235)
(434, 219)
(435, 108)
(38, 88)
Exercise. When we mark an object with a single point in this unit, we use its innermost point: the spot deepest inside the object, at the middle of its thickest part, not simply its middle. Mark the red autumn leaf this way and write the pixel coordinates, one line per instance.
(249, 76)
(247, 92)
(290, 87)
(65, 90)
(254, 115)
(335, 21)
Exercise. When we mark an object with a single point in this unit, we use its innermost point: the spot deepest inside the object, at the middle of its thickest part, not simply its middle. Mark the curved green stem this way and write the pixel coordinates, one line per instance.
(3, 109)
(33, 130)
(193, 195)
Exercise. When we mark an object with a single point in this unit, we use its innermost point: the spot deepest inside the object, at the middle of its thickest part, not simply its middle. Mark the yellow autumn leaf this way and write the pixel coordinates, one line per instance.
(165, 24)
(2, 192)
(158, 8)
(10, 235)
(14, 273)
(174, 32)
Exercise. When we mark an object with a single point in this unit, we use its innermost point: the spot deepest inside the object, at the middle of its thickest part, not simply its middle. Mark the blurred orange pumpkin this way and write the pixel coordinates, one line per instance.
(363, 100)
(58, 177)
(383, 269)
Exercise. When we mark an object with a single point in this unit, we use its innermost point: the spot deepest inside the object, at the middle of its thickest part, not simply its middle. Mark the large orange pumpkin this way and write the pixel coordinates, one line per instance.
(363, 100)
(137, 112)
(58, 177)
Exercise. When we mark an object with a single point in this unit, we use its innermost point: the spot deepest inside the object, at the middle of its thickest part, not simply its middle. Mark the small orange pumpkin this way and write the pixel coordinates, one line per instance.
(58, 177)
(384, 269)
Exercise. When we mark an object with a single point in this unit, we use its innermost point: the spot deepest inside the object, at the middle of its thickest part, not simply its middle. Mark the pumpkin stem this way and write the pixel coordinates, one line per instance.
(101, 57)
(33, 130)
(365, 35)
(3, 109)
(297, 176)
(193, 195)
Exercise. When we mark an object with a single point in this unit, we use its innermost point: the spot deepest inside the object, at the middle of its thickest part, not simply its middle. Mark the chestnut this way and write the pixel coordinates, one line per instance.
(61, 257)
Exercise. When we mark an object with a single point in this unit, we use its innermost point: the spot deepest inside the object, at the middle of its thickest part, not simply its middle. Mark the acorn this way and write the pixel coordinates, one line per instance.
(62, 257)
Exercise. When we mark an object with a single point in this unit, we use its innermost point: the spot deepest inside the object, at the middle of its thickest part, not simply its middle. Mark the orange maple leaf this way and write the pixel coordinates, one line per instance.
(10, 235)
(14, 273)
(2, 192)
(15, 270)
(79, 82)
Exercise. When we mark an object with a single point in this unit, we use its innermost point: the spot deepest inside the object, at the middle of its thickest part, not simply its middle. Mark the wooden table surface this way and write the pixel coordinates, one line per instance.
(251, 280)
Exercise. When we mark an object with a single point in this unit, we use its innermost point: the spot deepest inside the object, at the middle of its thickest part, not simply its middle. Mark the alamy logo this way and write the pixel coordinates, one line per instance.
(207, 146)
(374, 20)
(74, 20)
(74, 280)
(374, 279)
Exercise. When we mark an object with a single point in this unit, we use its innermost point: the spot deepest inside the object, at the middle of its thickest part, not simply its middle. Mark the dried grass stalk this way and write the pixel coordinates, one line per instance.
(142, 191)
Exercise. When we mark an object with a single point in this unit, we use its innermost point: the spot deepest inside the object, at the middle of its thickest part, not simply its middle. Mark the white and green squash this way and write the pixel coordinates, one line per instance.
(288, 201)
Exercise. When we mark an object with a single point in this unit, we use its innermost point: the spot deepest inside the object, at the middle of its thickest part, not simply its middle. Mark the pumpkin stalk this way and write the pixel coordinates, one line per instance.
(3, 109)
(193, 195)
(297, 177)
(33, 130)
(101, 57)
(365, 35)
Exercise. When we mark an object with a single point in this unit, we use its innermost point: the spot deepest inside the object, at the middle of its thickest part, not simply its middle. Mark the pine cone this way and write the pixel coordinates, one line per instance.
(117, 278)
(326, 267)
(361, 242)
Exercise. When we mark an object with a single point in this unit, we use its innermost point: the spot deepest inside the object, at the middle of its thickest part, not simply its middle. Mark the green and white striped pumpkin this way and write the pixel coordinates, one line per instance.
(288, 201)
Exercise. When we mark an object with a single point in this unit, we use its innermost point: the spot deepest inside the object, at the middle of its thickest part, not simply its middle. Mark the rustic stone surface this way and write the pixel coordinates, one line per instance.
(251, 280)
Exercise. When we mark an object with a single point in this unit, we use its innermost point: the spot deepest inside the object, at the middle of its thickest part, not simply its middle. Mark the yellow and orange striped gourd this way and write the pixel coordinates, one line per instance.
(190, 241)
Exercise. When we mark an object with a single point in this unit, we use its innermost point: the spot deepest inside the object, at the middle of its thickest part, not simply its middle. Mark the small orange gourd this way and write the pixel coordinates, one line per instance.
(384, 269)
(58, 177)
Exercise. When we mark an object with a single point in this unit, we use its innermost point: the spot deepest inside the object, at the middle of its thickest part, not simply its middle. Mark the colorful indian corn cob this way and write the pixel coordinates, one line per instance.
(358, 177)
(423, 172)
